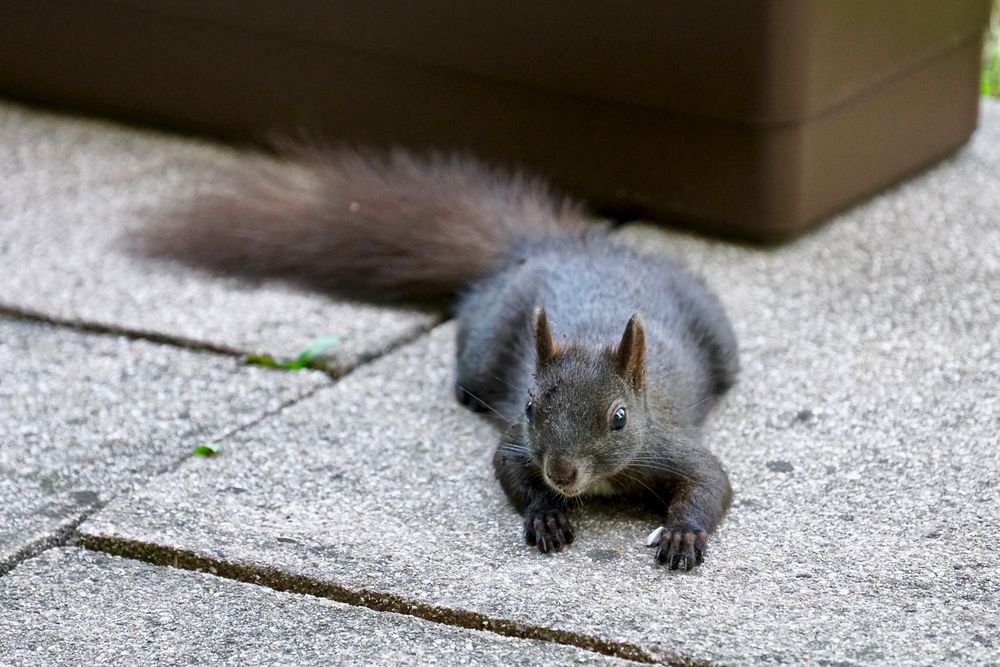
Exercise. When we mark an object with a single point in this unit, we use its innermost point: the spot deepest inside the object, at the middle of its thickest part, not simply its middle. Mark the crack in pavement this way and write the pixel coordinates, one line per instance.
(333, 370)
(280, 580)
(60, 537)
(23, 314)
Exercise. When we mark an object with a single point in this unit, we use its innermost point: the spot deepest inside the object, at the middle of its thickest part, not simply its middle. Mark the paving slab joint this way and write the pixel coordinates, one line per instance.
(62, 537)
(280, 580)
(68, 535)
(26, 315)
(334, 371)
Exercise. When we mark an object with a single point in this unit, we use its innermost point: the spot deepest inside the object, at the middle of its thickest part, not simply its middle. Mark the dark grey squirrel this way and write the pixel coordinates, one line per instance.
(602, 362)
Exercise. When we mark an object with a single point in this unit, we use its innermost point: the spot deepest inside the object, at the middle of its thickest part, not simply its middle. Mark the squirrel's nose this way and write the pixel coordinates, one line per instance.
(562, 473)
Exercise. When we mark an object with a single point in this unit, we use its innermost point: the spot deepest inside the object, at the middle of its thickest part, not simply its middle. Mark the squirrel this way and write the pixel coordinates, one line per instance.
(601, 361)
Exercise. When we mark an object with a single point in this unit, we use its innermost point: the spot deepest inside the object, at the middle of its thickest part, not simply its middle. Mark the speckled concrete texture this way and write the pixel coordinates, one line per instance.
(45, 150)
(83, 417)
(70, 607)
(862, 443)
(74, 188)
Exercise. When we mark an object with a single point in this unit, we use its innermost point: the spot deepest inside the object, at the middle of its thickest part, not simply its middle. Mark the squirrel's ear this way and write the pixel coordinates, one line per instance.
(631, 353)
(544, 343)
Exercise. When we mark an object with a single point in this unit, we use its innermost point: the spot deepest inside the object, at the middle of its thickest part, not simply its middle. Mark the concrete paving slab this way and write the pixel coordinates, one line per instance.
(71, 606)
(73, 188)
(86, 416)
(861, 443)
(45, 149)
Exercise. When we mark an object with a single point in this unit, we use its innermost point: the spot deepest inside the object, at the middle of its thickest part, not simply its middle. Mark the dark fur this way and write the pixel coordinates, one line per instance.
(547, 312)
(364, 225)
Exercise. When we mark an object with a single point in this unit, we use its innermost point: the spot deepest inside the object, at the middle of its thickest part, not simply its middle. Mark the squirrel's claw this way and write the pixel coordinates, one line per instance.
(681, 546)
(549, 530)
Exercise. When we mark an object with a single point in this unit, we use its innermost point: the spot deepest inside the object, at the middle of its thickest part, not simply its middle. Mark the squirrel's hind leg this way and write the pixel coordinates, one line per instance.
(494, 360)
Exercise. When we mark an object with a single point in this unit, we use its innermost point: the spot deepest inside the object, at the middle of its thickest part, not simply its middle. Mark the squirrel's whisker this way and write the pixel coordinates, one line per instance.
(660, 468)
(639, 481)
(520, 450)
(701, 402)
(486, 405)
(521, 390)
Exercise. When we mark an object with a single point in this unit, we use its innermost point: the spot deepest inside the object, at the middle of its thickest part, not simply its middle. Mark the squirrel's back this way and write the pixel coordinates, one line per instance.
(589, 286)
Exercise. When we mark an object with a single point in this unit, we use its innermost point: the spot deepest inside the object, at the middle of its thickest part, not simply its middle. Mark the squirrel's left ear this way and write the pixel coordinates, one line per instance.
(631, 353)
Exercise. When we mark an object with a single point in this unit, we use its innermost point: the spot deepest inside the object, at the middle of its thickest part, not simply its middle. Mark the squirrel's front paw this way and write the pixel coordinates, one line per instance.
(680, 544)
(548, 529)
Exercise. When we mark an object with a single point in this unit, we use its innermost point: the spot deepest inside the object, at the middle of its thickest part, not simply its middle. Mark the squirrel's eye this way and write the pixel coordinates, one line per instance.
(618, 419)
(528, 411)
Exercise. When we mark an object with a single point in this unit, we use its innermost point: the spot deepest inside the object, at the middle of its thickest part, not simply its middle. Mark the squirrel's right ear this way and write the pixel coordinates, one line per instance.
(544, 343)
(631, 353)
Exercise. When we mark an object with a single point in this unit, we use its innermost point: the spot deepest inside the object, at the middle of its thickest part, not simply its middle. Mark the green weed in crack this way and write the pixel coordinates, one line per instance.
(306, 357)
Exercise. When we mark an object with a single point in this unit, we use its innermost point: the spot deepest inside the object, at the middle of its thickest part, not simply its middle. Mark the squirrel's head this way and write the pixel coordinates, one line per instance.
(585, 415)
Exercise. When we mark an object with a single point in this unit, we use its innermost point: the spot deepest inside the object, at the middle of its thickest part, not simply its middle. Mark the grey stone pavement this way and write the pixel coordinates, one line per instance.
(354, 517)
(69, 605)
(86, 417)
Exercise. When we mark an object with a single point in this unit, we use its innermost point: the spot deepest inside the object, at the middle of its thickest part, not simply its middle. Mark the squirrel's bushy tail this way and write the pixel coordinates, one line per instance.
(373, 226)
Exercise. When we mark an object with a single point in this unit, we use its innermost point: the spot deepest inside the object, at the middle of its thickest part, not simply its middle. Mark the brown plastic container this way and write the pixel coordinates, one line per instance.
(746, 117)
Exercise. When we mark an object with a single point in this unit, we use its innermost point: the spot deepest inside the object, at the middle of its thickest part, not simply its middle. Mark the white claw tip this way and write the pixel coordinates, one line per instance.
(654, 537)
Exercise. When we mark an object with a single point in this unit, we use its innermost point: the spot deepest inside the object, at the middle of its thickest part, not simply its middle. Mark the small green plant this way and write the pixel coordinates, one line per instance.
(206, 449)
(989, 80)
(304, 359)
